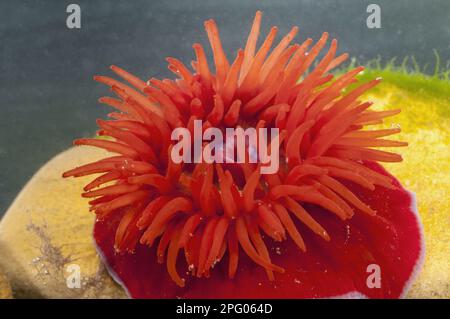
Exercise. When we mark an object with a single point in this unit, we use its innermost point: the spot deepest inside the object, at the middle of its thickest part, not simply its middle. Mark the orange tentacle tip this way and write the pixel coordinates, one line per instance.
(311, 222)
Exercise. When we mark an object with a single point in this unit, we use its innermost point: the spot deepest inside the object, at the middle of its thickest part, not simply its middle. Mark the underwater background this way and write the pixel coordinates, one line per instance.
(48, 97)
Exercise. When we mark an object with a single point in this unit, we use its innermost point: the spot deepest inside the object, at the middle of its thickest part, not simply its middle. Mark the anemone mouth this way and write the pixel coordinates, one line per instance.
(212, 210)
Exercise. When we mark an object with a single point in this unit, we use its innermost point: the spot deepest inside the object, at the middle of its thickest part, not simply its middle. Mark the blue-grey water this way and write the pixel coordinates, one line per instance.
(47, 96)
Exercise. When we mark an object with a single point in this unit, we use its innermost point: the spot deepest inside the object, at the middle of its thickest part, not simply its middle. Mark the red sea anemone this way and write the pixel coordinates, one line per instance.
(310, 230)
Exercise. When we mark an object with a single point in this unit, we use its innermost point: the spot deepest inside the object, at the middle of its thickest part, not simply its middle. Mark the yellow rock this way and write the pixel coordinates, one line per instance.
(5, 288)
(46, 245)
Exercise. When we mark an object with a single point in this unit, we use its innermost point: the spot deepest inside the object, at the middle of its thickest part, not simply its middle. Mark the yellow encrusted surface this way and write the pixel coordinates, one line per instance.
(47, 229)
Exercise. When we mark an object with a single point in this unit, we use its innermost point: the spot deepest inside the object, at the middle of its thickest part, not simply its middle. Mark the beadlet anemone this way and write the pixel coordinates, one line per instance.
(209, 230)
